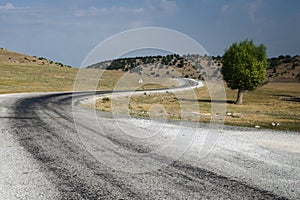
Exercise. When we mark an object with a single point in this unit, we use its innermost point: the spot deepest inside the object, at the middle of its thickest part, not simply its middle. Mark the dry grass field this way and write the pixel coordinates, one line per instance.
(16, 78)
(277, 103)
(23, 73)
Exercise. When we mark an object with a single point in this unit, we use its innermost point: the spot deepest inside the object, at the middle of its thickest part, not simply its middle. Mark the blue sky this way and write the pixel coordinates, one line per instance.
(67, 30)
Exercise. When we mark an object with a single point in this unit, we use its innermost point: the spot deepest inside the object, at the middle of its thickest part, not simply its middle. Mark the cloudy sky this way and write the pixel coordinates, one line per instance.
(67, 30)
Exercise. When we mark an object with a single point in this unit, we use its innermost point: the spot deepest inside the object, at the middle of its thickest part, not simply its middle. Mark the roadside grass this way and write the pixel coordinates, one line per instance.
(274, 102)
(17, 78)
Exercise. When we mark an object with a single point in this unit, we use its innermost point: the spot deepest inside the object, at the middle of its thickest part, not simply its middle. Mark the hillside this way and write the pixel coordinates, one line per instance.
(10, 57)
(23, 73)
(284, 69)
(281, 69)
(168, 66)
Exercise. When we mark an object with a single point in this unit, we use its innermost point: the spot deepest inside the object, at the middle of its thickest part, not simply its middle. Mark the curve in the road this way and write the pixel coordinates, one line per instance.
(43, 125)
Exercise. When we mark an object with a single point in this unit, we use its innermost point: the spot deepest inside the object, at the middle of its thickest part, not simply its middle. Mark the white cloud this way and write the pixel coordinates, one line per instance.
(224, 8)
(93, 11)
(8, 6)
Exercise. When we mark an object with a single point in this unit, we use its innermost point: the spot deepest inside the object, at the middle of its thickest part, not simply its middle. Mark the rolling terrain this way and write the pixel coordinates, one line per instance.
(23, 73)
(54, 148)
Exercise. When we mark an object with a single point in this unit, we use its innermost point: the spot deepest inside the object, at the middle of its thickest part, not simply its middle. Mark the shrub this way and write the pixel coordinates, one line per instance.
(105, 99)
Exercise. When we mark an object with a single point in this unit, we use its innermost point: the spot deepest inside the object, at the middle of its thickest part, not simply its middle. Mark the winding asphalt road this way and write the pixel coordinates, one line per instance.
(52, 150)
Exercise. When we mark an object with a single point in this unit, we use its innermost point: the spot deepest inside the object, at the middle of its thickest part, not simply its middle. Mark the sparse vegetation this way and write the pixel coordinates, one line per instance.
(158, 64)
(274, 102)
(105, 99)
(288, 64)
(192, 63)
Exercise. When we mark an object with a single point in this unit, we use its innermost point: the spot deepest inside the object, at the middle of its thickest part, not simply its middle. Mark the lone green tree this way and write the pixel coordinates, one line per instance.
(244, 67)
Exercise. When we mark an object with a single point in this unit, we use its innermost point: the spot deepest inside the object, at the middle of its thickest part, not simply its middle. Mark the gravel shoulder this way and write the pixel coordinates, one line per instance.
(21, 176)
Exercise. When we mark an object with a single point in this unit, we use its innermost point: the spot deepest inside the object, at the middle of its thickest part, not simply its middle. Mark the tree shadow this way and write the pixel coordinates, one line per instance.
(209, 101)
(293, 99)
(282, 95)
(288, 98)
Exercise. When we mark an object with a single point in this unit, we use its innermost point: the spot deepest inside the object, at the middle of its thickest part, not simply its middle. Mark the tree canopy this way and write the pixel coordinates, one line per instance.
(244, 67)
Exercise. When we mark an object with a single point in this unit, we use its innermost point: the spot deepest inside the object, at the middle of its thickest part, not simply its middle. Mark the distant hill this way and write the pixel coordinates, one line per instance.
(280, 69)
(10, 57)
(284, 69)
(173, 65)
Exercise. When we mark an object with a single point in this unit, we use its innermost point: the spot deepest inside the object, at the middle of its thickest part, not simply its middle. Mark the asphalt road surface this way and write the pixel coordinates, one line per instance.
(52, 150)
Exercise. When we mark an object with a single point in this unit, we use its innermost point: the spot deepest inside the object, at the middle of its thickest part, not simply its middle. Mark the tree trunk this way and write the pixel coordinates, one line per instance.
(239, 99)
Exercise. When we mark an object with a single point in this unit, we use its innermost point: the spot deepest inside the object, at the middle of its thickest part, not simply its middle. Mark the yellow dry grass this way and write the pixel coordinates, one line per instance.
(15, 78)
(27, 77)
(274, 102)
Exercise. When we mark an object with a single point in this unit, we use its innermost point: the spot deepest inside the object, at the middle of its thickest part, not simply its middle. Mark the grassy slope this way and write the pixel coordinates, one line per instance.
(23, 73)
(16, 78)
